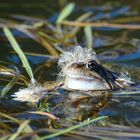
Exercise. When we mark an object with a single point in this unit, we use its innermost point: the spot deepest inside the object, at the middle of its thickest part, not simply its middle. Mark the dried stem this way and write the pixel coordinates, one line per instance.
(101, 24)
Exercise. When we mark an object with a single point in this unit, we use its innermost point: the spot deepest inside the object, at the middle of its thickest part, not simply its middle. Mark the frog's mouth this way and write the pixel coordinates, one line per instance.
(82, 77)
(91, 75)
(80, 72)
(79, 82)
(78, 77)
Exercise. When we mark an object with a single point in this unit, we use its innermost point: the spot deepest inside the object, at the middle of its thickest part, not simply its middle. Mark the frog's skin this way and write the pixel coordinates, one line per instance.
(82, 71)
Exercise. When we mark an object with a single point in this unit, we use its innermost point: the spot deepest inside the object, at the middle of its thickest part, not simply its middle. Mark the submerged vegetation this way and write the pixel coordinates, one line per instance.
(30, 48)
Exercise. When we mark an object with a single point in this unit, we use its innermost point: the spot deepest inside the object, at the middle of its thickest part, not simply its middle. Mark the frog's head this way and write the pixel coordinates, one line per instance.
(82, 71)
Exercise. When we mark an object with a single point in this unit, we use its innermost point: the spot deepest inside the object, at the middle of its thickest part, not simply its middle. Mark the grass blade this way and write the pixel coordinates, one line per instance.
(10, 84)
(20, 53)
(9, 117)
(19, 131)
(126, 93)
(73, 128)
(48, 46)
(65, 12)
(88, 34)
(82, 18)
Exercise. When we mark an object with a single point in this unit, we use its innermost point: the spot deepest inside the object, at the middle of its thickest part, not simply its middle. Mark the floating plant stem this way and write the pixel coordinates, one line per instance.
(101, 24)
(126, 93)
(20, 53)
(86, 122)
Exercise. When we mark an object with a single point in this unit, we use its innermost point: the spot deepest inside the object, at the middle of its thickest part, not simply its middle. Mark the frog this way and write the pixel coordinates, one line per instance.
(90, 83)
(82, 70)
(87, 84)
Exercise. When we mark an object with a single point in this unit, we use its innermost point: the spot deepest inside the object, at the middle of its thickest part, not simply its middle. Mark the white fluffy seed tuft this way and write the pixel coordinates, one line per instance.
(30, 94)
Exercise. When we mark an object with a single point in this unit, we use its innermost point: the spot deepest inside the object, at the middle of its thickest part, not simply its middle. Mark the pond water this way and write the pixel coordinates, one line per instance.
(33, 24)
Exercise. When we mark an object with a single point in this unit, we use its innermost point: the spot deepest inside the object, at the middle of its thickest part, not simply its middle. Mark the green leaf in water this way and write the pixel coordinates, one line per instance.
(20, 53)
(86, 122)
(66, 12)
(88, 34)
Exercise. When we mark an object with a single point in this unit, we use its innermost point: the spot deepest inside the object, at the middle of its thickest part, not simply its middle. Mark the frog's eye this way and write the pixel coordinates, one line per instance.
(91, 65)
